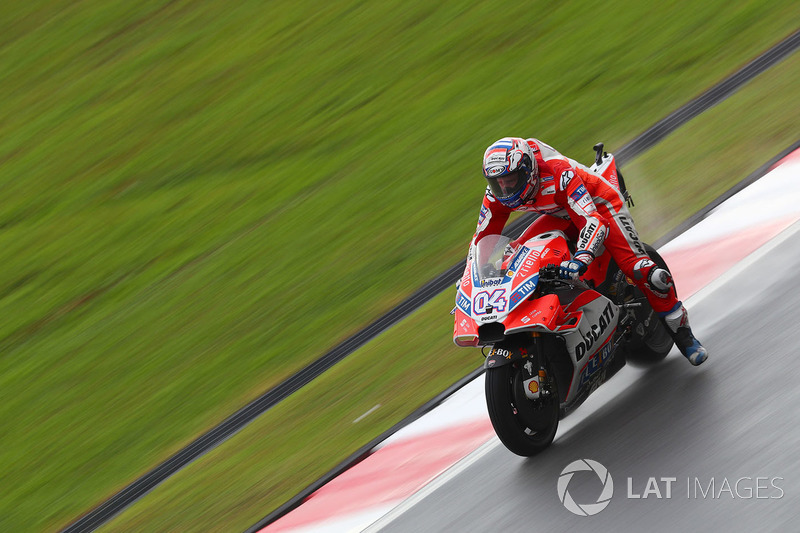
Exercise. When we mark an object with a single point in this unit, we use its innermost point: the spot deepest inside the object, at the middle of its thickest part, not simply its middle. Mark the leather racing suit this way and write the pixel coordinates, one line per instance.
(596, 208)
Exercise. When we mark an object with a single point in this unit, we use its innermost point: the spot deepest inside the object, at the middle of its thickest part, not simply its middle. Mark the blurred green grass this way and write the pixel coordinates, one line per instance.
(309, 433)
(202, 197)
(276, 457)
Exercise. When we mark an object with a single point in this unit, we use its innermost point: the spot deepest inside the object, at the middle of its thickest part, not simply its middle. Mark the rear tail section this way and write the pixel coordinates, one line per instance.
(606, 166)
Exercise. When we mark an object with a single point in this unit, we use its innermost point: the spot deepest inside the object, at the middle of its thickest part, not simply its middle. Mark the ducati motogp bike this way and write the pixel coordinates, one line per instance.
(549, 343)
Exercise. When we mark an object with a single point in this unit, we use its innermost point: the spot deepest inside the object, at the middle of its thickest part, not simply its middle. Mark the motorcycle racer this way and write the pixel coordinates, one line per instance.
(528, 175)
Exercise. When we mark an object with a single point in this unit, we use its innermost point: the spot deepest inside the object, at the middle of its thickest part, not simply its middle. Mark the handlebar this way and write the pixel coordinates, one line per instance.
(549, 273)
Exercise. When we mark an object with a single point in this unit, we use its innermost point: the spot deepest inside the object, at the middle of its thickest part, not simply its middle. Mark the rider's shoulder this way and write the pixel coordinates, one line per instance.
(563, 172)
(534, 144)
(542, 149)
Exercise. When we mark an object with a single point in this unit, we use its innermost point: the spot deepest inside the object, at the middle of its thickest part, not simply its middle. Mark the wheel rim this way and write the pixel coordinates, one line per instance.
(535, 418)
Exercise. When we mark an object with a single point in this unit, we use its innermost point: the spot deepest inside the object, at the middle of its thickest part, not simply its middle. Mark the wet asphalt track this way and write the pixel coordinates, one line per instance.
(737, 416)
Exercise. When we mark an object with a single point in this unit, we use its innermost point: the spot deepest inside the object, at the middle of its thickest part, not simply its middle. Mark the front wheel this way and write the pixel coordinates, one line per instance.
(524, 426)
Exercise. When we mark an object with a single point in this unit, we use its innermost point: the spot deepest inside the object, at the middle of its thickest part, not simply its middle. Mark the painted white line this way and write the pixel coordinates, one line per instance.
(365, 415)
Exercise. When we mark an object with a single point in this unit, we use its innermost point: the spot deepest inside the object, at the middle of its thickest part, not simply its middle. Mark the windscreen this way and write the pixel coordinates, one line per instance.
(493, 254)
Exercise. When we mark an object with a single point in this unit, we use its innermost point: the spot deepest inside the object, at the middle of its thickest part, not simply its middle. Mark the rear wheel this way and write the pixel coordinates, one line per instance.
(524, 426)
(655, 343)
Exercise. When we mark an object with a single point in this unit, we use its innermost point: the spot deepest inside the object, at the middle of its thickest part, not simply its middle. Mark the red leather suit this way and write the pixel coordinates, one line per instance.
(595, 208)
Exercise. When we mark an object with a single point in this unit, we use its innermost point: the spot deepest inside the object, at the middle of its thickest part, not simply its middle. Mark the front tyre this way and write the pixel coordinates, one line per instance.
(524, 426)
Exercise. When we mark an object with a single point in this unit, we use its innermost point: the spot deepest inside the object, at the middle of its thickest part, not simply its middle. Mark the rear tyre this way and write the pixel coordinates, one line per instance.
(524, 426)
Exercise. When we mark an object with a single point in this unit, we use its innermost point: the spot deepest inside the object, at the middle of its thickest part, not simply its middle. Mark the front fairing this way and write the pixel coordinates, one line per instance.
(503, 275)
(500, 275)
(499, 286)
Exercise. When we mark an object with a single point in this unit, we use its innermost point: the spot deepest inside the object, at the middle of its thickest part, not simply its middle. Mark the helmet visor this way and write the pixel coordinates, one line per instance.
(508, 185)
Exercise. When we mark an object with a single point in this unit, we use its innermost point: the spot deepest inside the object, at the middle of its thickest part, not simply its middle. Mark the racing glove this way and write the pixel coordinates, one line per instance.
(576, 266)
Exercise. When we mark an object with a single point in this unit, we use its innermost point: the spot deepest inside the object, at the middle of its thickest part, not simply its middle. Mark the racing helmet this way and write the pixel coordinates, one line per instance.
(510, 168)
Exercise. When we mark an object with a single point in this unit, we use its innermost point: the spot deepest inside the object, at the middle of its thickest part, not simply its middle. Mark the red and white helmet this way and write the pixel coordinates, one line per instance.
(510, 168)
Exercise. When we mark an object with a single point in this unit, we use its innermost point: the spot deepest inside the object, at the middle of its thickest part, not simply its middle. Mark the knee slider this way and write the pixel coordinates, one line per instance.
(660, 280)
(655, 278)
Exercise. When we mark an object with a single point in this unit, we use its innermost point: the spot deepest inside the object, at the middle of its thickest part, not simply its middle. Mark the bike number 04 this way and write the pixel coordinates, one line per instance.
(495, 298)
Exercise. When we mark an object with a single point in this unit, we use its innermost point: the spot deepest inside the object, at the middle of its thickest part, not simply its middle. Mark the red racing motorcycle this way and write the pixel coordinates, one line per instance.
(549, 343)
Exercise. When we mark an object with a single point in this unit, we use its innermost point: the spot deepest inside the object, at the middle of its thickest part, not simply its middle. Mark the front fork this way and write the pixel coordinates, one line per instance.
(535, 380)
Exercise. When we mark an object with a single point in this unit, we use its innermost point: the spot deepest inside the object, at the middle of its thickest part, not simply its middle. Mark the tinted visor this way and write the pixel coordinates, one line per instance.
(509, 184)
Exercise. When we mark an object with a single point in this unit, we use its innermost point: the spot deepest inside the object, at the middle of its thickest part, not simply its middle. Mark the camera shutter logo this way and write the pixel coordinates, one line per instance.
(586, 509)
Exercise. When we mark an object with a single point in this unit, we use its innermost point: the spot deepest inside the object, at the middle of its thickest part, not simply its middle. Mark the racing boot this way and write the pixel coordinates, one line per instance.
(677, 320)
(677, 323)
